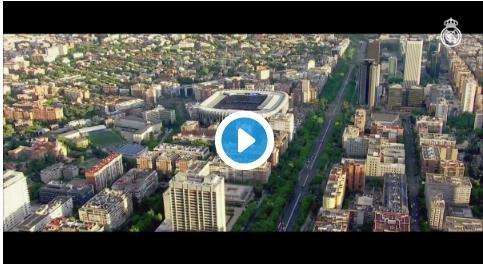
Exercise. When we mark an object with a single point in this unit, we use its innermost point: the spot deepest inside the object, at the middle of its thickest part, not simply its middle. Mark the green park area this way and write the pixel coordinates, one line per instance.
(105, 138)
(283, 178)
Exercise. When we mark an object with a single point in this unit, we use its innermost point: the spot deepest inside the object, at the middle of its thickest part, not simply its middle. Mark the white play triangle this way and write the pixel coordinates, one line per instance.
(245, 140)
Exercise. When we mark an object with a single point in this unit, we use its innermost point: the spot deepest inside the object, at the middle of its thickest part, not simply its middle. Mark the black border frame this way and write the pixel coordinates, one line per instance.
(249, 17)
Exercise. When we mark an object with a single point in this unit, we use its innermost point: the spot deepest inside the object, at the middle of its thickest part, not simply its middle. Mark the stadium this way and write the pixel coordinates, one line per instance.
(225, 102)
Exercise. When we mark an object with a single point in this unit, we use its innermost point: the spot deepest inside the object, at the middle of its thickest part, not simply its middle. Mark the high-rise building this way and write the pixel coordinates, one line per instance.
(16, 200)
(105, 172)
(195, 203)
(394, 96)
(436, 209)
(385, 158)
(455, 190)
(109, 208)
(412, 62)
(414, 96)
(353, 143)
(360, 118)
(374, 78)
(364, 82)
(355, 174)
(392, 66)
(434, 64)
(374, 50)
(334, 189)
(468, 95)
(307, 92)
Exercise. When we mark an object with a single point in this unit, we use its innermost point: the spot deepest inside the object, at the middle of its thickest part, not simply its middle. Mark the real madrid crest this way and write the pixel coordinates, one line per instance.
(450, 35)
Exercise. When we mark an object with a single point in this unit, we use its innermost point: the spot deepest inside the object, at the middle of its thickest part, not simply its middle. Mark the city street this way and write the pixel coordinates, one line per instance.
(412, 174)
(309, 171)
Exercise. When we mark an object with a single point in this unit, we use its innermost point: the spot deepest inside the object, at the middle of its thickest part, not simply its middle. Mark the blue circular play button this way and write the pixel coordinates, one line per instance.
(244, 140)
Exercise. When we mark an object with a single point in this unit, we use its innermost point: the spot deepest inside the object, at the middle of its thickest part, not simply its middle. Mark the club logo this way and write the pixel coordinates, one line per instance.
(450, 35)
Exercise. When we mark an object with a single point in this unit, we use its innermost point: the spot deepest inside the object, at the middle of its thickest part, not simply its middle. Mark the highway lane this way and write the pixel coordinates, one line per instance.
(308, 172)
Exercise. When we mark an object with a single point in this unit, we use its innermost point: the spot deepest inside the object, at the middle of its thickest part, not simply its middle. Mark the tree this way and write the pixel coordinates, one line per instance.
(8, 130)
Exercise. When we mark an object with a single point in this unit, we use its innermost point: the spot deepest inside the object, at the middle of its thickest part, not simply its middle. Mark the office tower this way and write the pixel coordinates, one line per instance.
(374, 78)
(414, 96)
(412, 63)
(105, 172)
(360, 119)
(364, 81)
(436, 209)
(109, 208)
(355, 175)
(195, 203)
(392, 66)
(16, 200)
(394, 96)
(374, 50)
(469, 93)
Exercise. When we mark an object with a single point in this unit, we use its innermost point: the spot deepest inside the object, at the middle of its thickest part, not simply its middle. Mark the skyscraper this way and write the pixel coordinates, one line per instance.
(412, 62)
(392, 66)
(373, 50)
(469, 93)
(364, 81)
(436, 211)
(374, 83)
(16, 200)
(195, 203)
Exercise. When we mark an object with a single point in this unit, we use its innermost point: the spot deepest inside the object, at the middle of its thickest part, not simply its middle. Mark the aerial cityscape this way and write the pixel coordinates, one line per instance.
(116, 132)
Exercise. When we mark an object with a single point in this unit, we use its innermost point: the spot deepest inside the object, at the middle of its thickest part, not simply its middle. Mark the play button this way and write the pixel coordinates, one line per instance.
(244, 140)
